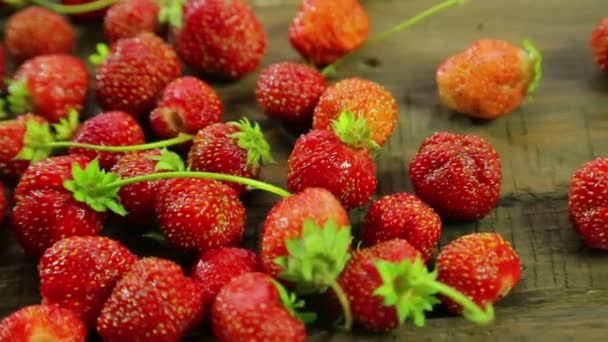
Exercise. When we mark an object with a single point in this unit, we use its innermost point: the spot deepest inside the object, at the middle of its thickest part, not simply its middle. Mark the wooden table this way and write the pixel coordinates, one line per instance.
(564, 293)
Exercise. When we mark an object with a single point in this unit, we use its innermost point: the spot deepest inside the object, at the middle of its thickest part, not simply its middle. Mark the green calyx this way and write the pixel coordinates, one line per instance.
(290, 301)
(36, 133)
(171, 12)
(251, 139)
(537, 60)
(65, 129)
(3, 112)
(19, 98)
(75, 9)
(168, 161)
(353, 131)
(102, 52)
(412, 289)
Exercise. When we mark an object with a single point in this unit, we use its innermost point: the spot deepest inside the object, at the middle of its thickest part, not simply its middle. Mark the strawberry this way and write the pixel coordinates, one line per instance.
(128, 18)
(235, 148)
(12, 141)
(199, 214)
(289, 91)
(113, 128)
(85, 16)
(220, 38)
(34, 31)
(187, 105)
(42, 323)
(458, 175)
(587, 203)
(153, 301)
(79, 272)
(489, 79)
(362, 97)
(404, 216)
(338, 161)
(599, 44)
(250, 308)
(134, 73)
(483, 266)
(3, 204)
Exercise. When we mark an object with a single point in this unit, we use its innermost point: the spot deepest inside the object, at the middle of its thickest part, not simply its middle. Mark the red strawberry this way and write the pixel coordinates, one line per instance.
(335, 160)
(153, 301)
(458, 175)
(363, 97)
(236, 148)
(48, 174)
(85, 16)
(128, 18)
(324, 31)
(404, 216)
(249, 308)
(49, 85)
(187, 105)
(489, 79)
(115, 128)
(45, 217)
(79, 273)
(3, 204)
(12, 133)
(134, 74)
(289, 91)
(35, 31)
(599, 44)
(200, 214)
(483, 266)
(42, 323)
(221, 38)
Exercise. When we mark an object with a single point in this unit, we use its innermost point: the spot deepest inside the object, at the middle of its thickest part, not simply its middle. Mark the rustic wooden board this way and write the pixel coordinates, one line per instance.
(564, 293)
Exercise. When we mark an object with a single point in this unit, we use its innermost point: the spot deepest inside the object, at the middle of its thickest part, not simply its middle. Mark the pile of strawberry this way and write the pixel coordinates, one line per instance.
(185, 185)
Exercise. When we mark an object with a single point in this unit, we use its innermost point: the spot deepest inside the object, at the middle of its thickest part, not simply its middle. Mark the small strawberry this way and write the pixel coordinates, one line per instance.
(114, 128)
(458, 175)
(338, 160)
(3, 204)
(404, 216)
(483, 266)
(35, 31)
(42, 323)
(50, 86)
(221, 38)
(490, 79)
(85, 15)
(364, 98)
(187, 105)
(599, 44)
(251, 307)
(324, 31)
(134, 73)
(128, 18)
(289, 91)
(200, 214)
(79, 273)
(235, 148)
(154, 301)
(12, 142)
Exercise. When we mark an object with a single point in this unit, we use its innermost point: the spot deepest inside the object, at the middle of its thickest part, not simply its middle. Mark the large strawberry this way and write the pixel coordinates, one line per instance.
(458, 175)
(599, 44)
(42, 323)
(126, 19)
(133, 74)
(3, 204)
(489, 79)
(79, 273)
(221, 38)
(154, 301)
(13, 134)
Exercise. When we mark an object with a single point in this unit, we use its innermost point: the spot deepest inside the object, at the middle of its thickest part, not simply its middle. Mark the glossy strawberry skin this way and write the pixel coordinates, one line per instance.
(200, 214)
(128, 18)
(88, 16)
(320, 159)
(289, 91)
(324, 31)
(153, 301)
(286, 218)
(363, 97)
(599, 44)
(11, 142)
(483, 266)
(26, 34)
(79, 273)
(221, 38)
(114, 128)
(42, 323)
(404, 216)
(248, 308)
(134, 74)
(360, 279)
(3, 204)
(458, 175)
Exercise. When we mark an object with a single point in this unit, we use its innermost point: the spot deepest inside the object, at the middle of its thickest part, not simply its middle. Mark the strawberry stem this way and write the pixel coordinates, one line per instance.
(182, 137)
(345, 303)
(471, 311)
(75, 9)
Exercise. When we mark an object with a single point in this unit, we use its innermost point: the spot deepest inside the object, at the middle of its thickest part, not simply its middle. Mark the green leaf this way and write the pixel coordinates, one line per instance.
(251, 139)
(353, 130)
(291, 303)
(19, 98)
(169, 161)
(537, 60)
(171, 12)
(102, 52)
(67, 126)
(37, 136)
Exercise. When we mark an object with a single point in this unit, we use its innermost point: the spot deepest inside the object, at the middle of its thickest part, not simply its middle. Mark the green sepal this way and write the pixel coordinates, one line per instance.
(3, 112)
(65, 129)
(19, 98)
(290, 301)
(316, 259)
(15, 3)
(251, 139)
(168, 161)
(102, 52)
(93, 186)
(171, 12)
(537, 59)
(36, 136)
(352, 129)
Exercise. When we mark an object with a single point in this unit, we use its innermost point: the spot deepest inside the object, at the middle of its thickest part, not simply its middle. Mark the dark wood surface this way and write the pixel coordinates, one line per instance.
(564, 293)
